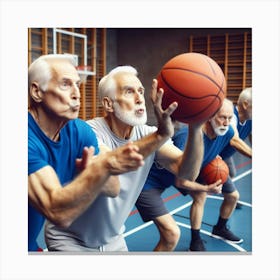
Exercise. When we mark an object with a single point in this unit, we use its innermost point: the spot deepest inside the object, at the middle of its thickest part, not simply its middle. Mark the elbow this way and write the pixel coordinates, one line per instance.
(191, 176)
(60, 220)
(113, 192)
(112, 187)
(179, 183)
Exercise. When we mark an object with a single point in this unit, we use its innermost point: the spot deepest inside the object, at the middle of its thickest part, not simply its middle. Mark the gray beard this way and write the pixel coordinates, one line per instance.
(129, 117)
(218, 130)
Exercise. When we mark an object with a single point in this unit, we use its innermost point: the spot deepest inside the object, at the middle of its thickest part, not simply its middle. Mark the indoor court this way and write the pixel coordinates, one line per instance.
(142, 237)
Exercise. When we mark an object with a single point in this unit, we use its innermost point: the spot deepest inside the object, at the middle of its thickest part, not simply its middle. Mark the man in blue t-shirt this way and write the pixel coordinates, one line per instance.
(217, 134)
(242, 123)
(64, 177)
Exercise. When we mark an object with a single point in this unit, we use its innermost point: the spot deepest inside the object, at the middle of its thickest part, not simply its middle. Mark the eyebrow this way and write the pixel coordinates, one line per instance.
(131, 87)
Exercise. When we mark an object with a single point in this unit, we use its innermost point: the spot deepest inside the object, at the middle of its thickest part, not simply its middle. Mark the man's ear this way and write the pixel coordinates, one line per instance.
(245, 104)
(107, 104)
(35, 92)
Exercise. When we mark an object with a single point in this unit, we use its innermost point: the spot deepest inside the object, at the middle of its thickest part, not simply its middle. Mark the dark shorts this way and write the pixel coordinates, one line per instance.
(228, 186)
(151, 205)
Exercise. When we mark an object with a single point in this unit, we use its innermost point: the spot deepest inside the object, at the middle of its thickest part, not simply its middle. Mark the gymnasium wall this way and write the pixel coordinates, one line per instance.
(147, 49)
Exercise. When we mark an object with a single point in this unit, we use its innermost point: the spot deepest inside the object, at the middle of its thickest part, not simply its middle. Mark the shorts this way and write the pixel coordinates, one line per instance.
(150, 203)
(71, 245)
(231, 166)
(228, 186)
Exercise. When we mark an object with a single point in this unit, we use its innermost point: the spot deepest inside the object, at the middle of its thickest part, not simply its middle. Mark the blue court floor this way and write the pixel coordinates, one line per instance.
(143, 237)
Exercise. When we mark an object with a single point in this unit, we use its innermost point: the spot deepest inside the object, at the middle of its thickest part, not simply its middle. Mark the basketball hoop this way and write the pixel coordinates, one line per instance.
(84, 71)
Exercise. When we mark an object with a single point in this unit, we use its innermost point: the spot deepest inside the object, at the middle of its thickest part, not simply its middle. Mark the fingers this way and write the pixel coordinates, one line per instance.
(124, 159)
(171, 108)
(132, 152)
(156, 96)
(82, 163)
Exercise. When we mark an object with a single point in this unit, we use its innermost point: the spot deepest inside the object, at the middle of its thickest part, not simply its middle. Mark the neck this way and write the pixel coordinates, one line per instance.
(50, 125)
(118, 127)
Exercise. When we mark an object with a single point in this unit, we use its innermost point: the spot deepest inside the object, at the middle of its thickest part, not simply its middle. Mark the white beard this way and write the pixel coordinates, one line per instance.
(129, 117)
(219, 130)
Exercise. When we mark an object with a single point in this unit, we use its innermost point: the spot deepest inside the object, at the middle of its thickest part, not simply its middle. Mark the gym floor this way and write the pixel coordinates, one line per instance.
(143, 237)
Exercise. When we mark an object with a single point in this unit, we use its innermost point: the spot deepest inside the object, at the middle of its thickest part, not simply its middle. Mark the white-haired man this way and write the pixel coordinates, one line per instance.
(60, 145)
(242, 124)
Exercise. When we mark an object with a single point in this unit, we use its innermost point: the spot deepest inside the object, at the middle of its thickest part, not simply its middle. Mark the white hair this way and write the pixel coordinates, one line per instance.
(246, 94)
(107, 85)
(40, 70)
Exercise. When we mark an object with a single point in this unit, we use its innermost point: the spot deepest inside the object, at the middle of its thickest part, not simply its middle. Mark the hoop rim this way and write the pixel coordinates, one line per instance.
(85, 68)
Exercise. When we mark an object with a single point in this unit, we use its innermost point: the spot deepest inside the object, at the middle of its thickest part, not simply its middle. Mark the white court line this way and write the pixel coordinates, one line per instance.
(187, 205)
(151, 222)
(242, 175)
(210, 234)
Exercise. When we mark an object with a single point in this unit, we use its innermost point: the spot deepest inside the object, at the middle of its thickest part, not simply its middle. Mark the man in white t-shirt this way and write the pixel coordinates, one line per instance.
(101, 226)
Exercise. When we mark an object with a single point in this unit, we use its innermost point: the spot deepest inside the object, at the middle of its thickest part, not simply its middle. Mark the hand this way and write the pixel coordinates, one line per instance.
(124, 159)
(82, 163)
(165, 126)
(215, 188)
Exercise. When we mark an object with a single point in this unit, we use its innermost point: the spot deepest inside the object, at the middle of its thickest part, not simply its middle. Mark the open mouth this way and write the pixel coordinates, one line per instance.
(140, 112)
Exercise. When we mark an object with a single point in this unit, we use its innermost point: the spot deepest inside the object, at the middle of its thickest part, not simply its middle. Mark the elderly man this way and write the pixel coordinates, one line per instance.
(60, 146)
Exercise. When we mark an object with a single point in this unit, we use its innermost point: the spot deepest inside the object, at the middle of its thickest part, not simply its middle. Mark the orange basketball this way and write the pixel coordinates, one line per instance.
(215, 170)
(196, 82)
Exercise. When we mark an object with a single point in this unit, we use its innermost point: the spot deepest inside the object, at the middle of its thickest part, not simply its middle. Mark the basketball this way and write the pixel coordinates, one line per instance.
(215, 170)
(196, 82)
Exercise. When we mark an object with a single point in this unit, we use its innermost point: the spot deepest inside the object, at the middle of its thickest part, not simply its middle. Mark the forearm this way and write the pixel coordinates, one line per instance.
(150, 143)
(62, 205)
(72, 200)
(191, 185)
(193, 155)
(241, 147)
(197, 187)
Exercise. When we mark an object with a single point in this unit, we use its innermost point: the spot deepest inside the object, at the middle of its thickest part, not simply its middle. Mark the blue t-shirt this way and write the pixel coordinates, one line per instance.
(161, 178)
(61, 155)
(244, 129)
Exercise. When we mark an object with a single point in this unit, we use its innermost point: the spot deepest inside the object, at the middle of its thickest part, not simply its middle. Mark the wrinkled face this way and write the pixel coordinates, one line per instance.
(221, 121)
(129, 102)
(62, 96)
(248, 110)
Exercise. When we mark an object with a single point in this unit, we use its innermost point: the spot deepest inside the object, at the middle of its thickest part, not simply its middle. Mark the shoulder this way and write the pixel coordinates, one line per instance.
(81, 134)
(80, 124)
(230, 132)
(97, 123)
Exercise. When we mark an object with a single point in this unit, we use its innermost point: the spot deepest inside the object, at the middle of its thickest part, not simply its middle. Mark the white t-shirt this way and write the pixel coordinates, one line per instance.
(105, 218)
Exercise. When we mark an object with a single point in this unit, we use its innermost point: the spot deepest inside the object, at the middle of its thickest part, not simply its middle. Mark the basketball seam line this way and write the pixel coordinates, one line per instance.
(198, 73)
(178, 93)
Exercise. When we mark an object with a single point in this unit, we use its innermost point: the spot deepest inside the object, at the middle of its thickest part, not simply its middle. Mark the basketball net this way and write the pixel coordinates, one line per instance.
(84, 71)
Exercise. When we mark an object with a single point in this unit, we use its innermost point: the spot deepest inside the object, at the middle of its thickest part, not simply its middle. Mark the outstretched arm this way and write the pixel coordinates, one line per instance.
(111, 187)
(240, 145)
(192, 157)
(62, 205)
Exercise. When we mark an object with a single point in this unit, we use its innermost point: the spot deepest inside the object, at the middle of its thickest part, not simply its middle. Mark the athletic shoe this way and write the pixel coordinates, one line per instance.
(238, 205)
(197, 245)
(226, 234)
